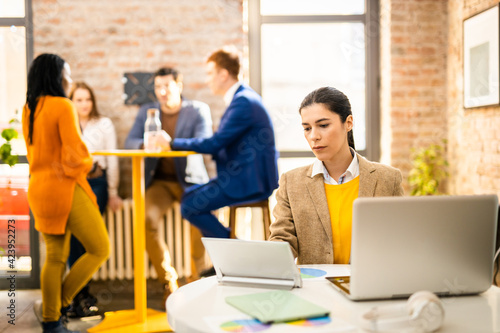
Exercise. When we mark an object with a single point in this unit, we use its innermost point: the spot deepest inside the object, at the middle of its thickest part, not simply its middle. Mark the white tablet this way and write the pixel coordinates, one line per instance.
(261, 264)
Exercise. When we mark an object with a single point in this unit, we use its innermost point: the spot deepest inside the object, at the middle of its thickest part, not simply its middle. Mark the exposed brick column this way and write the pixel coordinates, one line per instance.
(413, 65)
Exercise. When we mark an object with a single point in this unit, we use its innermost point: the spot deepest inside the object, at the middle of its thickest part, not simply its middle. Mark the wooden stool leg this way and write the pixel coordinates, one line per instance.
(267, 221)
(232, 222)
(266, 217)
(198, 263)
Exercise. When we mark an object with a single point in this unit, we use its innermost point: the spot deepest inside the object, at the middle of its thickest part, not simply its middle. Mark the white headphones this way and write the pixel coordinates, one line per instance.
(423, 310)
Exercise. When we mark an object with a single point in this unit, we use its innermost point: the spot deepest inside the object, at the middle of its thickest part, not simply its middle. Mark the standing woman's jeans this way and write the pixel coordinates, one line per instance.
(100, 187)
(86, 223)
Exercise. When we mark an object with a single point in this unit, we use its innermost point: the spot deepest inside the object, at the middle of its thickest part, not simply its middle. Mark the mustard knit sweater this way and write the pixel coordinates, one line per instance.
(58, 160)
(340, 199)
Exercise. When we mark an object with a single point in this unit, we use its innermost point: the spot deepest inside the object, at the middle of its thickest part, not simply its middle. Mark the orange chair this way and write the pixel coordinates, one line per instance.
(264, 205)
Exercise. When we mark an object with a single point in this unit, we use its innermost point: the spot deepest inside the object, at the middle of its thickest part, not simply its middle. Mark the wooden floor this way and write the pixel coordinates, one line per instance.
(112, 296)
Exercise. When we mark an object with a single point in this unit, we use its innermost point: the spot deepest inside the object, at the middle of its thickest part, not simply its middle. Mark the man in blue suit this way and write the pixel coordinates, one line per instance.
(166, 178)
(243, 148)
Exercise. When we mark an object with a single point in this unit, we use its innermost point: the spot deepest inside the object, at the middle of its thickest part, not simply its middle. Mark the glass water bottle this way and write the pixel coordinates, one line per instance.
(152, 129)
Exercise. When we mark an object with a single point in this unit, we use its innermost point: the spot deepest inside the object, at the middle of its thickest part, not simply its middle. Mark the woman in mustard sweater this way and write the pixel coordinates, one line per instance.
(314, 203)
(59, 195)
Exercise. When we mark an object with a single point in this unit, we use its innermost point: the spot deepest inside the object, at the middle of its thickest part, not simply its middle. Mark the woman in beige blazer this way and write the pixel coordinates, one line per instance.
(303, 211)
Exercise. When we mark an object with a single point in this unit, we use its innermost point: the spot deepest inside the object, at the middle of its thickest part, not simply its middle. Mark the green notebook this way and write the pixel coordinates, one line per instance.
(276, 306)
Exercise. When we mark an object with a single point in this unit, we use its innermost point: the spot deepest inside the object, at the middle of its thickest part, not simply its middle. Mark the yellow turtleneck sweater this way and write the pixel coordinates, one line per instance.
(340, 199)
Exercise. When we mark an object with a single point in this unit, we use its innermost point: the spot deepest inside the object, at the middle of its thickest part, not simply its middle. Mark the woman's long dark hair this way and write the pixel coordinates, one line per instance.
(335, 101)
(44, 78)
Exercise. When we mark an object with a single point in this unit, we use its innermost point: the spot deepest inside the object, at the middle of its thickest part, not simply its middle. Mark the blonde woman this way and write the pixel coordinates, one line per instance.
(98, 134)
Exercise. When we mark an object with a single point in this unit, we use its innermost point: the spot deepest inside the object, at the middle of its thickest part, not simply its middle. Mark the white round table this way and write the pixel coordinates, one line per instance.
(200, 307)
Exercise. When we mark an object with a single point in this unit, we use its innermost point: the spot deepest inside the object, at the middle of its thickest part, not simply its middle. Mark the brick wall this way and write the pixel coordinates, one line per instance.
(474, 134)
(421, 69)
(101, 40)
(413, 85)
(422, 93)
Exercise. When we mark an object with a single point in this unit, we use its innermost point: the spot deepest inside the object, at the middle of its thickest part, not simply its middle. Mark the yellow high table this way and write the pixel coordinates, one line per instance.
(140, 319)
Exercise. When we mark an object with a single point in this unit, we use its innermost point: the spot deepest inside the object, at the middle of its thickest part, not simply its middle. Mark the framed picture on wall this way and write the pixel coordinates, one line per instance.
(481, 59)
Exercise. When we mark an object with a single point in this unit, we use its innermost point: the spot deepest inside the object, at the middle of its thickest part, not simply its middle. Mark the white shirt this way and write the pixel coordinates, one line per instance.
(351, 172)
(228, 96)
(99, 134)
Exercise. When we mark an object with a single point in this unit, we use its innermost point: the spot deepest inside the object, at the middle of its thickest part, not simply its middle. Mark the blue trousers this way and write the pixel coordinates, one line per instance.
(99, 186)
(199, 201)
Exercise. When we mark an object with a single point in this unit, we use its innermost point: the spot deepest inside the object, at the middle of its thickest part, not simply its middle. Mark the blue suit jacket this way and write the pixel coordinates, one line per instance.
(243, 148)
(194, 122)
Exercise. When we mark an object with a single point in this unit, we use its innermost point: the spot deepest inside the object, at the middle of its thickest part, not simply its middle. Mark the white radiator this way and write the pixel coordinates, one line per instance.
(175, 231)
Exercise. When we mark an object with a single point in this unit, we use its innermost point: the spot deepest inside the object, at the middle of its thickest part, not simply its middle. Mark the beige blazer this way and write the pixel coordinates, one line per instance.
(302, 216)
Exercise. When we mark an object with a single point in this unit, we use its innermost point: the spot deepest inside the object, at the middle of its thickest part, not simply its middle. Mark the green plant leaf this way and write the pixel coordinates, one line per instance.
(5, 155)
(5, 150)
(11, 160)
(429, 169)
(9, 134)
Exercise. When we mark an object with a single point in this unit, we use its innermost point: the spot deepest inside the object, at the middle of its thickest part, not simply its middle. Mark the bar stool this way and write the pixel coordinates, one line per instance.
(264, 205)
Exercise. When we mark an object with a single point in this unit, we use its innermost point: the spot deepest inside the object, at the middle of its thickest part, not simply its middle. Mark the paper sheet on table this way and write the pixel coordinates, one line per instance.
(319, 272)
(243, 323)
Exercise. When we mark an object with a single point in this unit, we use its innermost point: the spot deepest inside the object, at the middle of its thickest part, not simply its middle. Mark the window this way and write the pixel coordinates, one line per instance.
(297, 46)
(16, 51)
(13, 65)
(12, 8)
(311, 7)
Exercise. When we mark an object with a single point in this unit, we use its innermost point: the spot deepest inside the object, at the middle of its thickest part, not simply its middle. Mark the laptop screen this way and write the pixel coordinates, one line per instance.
(444, 244)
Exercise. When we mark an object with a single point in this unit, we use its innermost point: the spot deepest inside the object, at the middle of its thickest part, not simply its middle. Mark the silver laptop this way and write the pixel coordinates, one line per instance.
(253, 263)
(400, 245)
